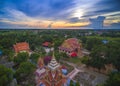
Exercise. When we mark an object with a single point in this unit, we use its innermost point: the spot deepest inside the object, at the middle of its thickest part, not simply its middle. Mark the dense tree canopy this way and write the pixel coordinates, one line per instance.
(6, 76)
(26, 69)
(21, 57)
(34, 57)
(91, 42)
(77, 84)
(114, 79)
(101, 53)
(71, 83)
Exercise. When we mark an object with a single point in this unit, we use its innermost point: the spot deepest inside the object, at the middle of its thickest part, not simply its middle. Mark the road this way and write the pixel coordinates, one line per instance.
(73, 73)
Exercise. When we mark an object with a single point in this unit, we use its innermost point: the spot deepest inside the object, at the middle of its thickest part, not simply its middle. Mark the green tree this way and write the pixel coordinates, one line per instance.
(32, 47)
(64, 55)
(57, 42)
(91, 42)
(98, 57)
(100, 85)
(25, 72)
(40, 50)
(97, 62)
(113, 54)
(21, 57)
(34, 57)
(77, 84)
(71, 83)
(113, 80)
(58, 56)
(6, 76)
(105, 54)
(85, 59)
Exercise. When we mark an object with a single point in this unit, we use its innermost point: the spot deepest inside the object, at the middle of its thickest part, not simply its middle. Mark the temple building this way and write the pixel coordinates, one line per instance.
(72, 47)
(50, 75)
(21, 47)
(47, 44)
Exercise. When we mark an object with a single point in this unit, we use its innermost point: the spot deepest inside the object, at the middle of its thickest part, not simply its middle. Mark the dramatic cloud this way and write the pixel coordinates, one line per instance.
(64, 13)
(115, 26)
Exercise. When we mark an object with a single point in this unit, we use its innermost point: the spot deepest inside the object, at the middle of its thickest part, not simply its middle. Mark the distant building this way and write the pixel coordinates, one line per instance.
(97, 23)
(72, 47)
(50, 75)
(105, 41)
(21, 47)
(46, 44)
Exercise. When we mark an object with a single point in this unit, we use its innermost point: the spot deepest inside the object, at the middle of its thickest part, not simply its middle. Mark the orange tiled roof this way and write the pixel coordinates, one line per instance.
(46, 44)
(23, 46)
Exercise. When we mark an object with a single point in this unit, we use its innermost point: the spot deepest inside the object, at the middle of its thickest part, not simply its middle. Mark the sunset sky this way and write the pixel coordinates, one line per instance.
(58, 14)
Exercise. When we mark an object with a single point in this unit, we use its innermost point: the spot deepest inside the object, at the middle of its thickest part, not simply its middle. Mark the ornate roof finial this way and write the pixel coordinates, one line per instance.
(53, 56)
(40, 62)
(53, 63)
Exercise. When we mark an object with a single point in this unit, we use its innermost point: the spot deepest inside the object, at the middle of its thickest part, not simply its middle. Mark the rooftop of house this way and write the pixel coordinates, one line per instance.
(22, 46)
(70, 44)
(46, 44)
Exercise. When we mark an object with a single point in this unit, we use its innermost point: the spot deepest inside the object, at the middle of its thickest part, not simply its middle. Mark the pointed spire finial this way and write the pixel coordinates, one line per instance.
(53, 56)
(53, 65)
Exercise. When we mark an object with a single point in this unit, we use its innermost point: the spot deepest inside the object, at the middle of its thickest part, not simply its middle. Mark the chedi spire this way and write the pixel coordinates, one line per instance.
(53, 65)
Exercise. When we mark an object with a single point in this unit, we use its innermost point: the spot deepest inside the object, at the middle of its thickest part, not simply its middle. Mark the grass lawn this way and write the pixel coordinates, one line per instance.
(69, 67)
(75, 60)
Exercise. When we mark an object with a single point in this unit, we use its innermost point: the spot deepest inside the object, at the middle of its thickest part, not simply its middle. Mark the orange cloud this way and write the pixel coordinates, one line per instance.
(68, 25)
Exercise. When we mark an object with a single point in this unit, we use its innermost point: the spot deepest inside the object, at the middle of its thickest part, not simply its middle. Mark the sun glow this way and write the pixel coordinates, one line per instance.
(78, 13)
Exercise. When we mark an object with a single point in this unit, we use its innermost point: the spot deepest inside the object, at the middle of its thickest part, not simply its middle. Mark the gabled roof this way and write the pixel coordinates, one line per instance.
(22, 46)
(70, 44)
(46, 44)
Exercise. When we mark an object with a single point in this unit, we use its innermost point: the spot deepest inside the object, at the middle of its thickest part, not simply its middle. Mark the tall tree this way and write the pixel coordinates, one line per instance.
(34, 57)
(25, 72)
(71, 83)
(6, 76)
(113, 80)
(21, 57)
